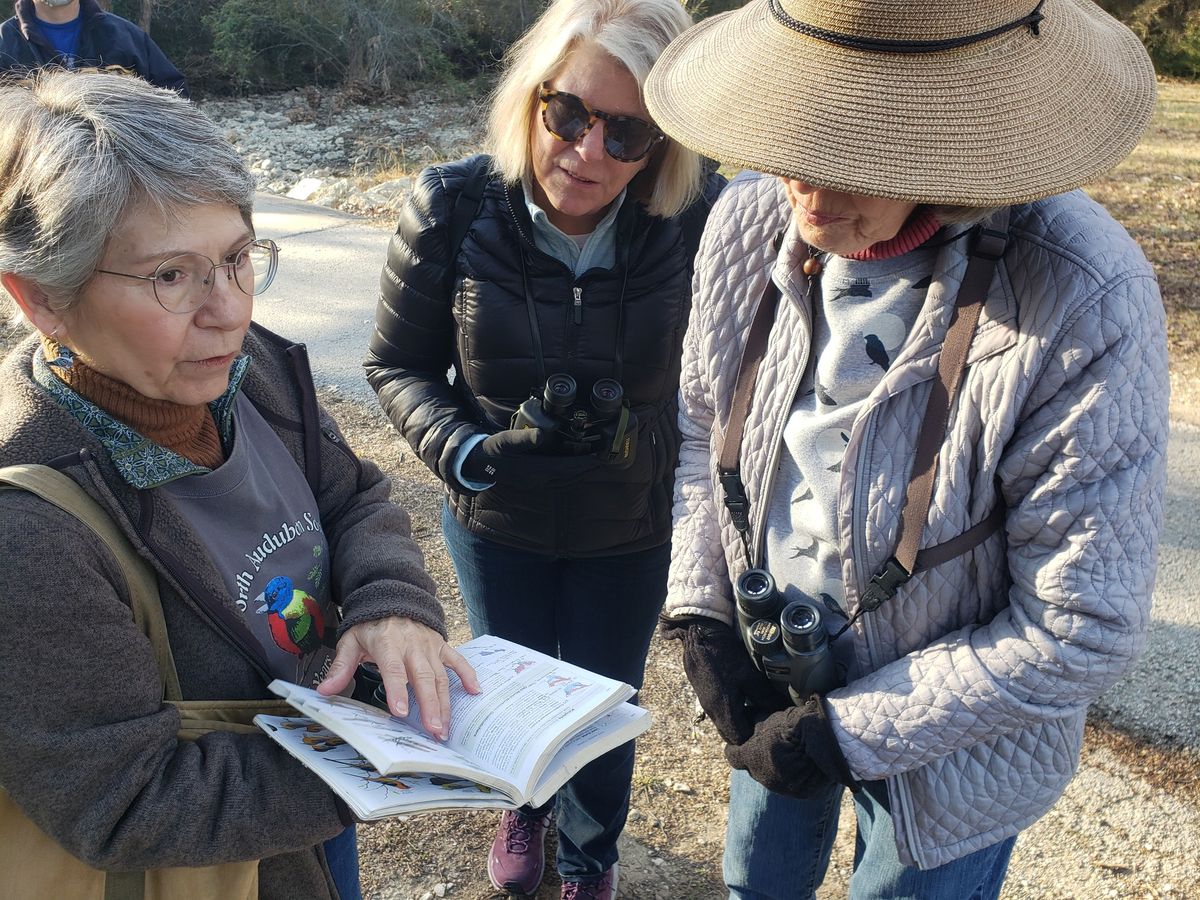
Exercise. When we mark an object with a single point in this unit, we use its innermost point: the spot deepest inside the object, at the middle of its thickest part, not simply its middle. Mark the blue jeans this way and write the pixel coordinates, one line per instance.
(341, 855)
(599, 613)
(778, 848)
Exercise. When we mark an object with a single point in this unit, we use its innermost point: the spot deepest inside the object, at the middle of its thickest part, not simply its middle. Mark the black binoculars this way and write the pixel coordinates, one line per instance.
(605, 426)
(787, 641)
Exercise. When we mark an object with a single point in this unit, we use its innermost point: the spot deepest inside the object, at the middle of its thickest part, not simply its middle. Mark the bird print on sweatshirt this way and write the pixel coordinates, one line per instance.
(297, 625)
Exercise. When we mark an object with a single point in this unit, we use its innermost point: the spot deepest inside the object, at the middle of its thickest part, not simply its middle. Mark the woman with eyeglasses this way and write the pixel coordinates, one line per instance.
(126, 239)
(553, 277)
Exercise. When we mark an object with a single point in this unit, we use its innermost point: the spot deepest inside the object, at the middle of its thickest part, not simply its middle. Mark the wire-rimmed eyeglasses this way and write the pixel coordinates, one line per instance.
(183, 283)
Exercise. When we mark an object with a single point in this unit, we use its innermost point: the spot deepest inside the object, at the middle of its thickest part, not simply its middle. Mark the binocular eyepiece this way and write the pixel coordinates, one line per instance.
(605, 426)
(787, 641)
(560, 394)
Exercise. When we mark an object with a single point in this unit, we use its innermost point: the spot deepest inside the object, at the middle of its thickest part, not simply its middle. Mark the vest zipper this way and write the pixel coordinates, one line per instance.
(578, 291)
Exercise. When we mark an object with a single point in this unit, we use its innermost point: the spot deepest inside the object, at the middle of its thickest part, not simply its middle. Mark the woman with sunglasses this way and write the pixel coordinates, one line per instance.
(126, 239)
(565, 252)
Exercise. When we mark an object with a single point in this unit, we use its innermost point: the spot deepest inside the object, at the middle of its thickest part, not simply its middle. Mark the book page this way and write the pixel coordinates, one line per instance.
(614, 728)
(531, 703)
(367, 792)
(389, 744)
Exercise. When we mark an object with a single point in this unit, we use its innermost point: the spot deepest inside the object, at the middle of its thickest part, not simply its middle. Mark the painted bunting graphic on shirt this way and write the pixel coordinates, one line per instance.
(297, 625)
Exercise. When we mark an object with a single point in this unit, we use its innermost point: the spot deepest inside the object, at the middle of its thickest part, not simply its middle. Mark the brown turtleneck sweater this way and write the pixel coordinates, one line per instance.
(189, 431)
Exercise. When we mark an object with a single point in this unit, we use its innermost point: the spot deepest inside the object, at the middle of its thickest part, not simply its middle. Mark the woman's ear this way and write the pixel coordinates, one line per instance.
(34, 303)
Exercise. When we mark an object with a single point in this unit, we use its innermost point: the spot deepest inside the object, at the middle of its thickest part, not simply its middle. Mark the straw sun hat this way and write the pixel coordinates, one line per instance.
(971, 102)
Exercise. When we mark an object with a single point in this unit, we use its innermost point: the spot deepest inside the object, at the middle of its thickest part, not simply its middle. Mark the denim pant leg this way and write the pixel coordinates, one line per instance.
(606, 626)
(879, 874)
(597, 613)
(341, 855)
(507, 592)
(777, 847)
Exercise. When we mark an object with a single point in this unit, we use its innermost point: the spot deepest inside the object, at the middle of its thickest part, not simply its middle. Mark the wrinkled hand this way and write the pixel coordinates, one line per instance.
(727, 684)
(523, 455)
(794, 752)
(407, 653)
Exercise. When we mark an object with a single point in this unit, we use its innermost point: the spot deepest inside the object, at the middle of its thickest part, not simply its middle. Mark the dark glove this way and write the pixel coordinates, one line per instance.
(519, 455)
(794, 752)
(727, 684)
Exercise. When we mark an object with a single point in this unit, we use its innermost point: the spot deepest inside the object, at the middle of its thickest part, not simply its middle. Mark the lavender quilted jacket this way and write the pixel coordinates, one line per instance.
(979, 671)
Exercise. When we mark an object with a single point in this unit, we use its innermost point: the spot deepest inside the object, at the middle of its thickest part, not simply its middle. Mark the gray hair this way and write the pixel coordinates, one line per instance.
(634, 33)
(963, 215)
(79, 149)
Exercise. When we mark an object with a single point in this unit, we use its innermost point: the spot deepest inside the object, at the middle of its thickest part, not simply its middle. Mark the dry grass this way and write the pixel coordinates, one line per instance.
(1156, 195)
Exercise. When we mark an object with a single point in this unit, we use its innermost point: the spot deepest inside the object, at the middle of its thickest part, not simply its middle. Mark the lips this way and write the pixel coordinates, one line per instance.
(818, 219)
(578, 179)
(216, 361)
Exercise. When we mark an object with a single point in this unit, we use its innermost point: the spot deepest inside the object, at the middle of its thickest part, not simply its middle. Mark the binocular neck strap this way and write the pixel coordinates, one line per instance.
(535, 333)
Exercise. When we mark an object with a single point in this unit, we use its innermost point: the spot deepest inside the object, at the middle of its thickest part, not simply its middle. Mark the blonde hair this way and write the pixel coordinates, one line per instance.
(634, 33)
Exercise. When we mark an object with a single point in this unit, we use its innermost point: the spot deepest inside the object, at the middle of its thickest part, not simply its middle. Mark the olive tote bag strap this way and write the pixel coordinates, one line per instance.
(62, 491)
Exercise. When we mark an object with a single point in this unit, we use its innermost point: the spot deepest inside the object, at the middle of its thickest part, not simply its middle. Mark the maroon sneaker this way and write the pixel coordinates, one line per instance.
(517, 859)
(601, 888)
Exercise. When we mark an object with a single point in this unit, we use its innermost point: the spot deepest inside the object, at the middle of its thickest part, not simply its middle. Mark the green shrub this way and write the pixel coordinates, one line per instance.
(368, 44)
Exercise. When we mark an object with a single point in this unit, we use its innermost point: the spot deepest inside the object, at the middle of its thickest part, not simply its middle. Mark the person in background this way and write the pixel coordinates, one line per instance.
(572, 258)
(76, 34)
(126, 239)
(983, 572)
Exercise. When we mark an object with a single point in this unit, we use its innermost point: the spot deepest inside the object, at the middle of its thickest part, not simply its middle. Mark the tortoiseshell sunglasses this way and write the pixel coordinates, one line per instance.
(569, 119)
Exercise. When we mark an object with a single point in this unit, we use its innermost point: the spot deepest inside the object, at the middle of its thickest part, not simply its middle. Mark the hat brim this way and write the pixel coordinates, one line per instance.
(1004, 121)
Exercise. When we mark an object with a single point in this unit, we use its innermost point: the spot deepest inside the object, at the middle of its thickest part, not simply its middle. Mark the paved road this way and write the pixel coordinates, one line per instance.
(325, 292)
(329, 278)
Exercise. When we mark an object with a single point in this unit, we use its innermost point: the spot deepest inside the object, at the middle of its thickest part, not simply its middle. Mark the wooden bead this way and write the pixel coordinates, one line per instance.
(812, 266)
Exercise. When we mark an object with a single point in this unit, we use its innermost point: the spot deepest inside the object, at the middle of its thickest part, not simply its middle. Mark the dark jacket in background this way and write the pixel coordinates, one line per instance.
(471, 313)
(104, 40)
(90, 750)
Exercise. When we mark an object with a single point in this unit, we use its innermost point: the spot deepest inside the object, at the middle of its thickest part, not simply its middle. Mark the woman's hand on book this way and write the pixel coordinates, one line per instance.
(407, 653)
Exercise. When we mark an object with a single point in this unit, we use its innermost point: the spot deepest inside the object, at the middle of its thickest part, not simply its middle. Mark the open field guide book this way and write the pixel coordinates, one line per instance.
(537, 721)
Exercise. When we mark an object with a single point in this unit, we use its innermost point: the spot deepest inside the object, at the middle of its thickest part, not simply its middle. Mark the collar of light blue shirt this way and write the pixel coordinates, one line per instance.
(598, 251)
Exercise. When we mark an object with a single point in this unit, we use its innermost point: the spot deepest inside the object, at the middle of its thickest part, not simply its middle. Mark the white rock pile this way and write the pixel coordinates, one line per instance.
(314, 146)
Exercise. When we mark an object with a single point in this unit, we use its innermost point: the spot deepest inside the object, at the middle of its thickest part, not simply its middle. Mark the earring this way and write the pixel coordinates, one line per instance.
(65, 358)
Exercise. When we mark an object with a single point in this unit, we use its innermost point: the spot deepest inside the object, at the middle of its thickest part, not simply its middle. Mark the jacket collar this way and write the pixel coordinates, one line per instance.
(26, 16)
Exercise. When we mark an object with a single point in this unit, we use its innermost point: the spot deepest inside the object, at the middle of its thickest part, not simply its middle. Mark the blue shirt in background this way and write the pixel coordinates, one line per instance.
(64, 37)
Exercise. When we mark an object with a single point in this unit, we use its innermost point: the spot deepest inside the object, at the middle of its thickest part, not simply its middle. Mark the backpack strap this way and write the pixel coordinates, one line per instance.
(466, 208)
(989, 244)
(62, 491)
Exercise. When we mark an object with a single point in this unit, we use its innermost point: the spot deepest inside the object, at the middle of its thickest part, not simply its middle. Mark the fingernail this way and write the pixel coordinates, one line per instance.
(436, 725)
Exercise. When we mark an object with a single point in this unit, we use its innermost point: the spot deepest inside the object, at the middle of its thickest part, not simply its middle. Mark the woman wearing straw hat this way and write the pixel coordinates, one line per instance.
(951, 453)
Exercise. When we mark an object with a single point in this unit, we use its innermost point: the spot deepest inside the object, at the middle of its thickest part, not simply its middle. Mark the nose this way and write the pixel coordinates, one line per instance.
(228, 305)
(591, 145)
(801, 187)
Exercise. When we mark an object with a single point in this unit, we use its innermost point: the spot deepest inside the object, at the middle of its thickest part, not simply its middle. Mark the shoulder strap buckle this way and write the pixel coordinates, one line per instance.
(886, 581)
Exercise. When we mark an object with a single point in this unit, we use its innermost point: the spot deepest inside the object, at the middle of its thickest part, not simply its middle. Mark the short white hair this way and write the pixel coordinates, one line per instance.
(79, 149)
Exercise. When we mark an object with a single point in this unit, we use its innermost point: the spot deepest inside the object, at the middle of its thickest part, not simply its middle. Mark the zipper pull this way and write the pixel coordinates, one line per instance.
(578, 305)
